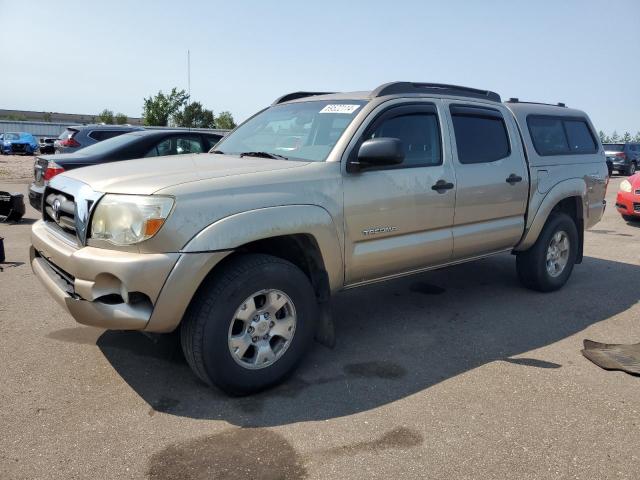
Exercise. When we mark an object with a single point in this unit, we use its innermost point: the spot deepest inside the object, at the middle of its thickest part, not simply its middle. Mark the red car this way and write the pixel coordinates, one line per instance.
(628, 199)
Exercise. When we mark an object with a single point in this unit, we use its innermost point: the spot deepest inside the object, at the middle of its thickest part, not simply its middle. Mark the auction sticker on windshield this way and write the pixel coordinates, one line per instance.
(340, 108)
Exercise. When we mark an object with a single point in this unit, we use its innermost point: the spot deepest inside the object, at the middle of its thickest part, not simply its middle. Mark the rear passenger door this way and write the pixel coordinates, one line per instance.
(492, 179)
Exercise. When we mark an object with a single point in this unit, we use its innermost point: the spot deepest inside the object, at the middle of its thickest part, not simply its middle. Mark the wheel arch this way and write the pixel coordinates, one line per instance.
(305, 235)
(567, 197)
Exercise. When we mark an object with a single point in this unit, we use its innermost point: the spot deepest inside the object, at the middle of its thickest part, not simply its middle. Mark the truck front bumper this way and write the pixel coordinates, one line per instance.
(118, 290)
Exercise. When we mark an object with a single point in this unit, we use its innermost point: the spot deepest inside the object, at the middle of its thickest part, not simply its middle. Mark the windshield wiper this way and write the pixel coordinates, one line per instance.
(262, 155)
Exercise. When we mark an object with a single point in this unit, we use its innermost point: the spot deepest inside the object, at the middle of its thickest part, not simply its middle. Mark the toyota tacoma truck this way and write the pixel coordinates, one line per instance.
(242, 248)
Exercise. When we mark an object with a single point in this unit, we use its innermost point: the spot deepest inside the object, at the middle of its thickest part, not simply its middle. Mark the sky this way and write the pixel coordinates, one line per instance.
(82, 57)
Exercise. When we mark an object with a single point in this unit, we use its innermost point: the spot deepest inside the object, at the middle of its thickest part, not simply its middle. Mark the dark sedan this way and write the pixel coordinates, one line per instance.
(139, 144)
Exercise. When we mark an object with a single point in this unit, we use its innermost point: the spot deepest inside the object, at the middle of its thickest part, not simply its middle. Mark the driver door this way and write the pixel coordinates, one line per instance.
(396, 218)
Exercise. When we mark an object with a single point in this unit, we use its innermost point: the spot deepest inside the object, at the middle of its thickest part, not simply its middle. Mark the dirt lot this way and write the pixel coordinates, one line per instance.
(16, 168)
(453, 374)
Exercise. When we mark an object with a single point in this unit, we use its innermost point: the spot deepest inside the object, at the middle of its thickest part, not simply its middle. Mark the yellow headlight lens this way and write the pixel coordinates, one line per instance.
(129, 219)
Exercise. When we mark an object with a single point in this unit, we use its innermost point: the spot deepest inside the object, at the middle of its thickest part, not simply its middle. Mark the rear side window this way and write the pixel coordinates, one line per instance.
(68, 133)
(481, 135)
(548, 135)
(101, 135)
(580, 139)
(176, 145)
(561, 136)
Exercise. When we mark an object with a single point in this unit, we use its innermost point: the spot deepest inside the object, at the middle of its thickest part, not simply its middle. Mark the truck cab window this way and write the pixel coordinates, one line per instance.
(419, 135)
(480, 138)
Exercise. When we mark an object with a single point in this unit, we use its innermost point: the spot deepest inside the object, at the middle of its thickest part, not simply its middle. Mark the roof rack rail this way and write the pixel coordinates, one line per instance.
(395, 88)
(559, 104)
(296, 95)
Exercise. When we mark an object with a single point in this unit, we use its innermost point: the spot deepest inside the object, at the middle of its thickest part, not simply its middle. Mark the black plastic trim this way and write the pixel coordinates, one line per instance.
(296, 95)
(398, 88)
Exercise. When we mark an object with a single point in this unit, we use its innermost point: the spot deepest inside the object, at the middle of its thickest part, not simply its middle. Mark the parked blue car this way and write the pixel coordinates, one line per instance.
(18, 142)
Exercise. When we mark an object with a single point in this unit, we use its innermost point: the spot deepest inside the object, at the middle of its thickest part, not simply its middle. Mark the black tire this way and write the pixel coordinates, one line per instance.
(532, 264)
(631, 169)
(205, 326)
(630, 218)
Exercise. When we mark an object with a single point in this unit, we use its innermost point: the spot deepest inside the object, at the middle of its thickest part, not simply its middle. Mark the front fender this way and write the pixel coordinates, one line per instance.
(573, 187)
(236, 230)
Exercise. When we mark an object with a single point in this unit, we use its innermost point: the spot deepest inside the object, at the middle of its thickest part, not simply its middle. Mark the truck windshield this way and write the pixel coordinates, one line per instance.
(297, 131)
(11, 136)
(613, 147)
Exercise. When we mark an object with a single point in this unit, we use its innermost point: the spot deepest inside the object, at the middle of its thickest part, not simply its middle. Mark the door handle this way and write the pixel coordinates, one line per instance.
(513, 179)
(441, 186)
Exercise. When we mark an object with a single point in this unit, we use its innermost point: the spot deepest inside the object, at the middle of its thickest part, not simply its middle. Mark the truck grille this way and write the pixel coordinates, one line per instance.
(67, 208)
(18, 147)
(59, 209)
(636, 207)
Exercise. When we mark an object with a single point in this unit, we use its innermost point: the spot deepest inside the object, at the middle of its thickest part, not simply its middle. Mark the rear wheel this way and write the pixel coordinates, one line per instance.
(631, 169)
(548, 264)
(250, 324)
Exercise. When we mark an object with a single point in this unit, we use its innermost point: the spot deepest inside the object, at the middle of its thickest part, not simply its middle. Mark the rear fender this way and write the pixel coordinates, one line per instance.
(574, 187)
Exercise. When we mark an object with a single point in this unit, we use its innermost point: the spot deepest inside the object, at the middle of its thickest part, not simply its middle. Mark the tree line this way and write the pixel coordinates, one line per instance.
(173, 110)
(615, 137)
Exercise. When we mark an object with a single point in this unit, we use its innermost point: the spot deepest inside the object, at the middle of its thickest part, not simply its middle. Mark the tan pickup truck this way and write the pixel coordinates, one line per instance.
(243, 247)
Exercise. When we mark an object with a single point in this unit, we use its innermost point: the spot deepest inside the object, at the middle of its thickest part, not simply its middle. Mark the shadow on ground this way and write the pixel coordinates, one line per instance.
(394, 339)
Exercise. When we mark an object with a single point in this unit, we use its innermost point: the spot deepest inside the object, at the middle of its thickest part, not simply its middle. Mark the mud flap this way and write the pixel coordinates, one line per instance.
(325, 332)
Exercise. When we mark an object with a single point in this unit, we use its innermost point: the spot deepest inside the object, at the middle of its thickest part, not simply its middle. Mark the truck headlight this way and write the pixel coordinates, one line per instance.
(129, 219)
(625, 186)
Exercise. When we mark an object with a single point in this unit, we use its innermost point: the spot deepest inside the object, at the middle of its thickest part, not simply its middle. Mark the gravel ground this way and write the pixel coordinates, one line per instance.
(454, 374)
(16, 168)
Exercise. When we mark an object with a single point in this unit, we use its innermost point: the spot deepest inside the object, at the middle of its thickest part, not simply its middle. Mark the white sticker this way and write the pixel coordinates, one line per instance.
(340, 108)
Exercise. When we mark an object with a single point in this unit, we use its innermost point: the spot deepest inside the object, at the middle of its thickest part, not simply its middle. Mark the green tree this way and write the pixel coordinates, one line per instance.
(604, 138)
(637, 137)
(121, 118)
(160, 108)
(626, 138)
(46, 117)
(195, 115)
(106, 116)
(615, 137)
(225, 120)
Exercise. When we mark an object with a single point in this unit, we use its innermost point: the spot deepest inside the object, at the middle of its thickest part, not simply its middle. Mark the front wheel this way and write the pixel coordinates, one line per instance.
(548, 264)
(250, 324)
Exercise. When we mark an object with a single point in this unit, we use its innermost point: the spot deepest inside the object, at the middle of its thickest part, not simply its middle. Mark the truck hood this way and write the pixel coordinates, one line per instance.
(148, 175)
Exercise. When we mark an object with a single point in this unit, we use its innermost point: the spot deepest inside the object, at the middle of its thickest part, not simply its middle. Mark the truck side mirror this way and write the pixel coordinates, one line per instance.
(377, 152)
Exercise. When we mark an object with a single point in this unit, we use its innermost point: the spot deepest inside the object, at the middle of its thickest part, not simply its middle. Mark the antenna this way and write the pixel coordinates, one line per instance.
(189, 76)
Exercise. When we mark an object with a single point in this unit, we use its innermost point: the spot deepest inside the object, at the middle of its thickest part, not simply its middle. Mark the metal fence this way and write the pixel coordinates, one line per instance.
(54, 129)
(37, 129)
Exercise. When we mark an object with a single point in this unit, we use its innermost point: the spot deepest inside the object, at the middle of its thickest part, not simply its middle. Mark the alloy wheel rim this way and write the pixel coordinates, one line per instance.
(262, 329)
(558, 253)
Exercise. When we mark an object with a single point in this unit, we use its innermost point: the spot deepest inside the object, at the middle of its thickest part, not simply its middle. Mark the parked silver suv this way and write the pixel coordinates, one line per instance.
(243, 248)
